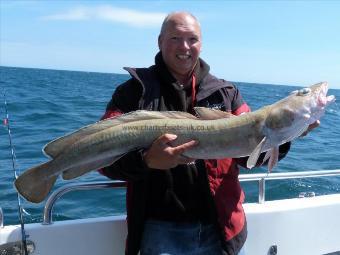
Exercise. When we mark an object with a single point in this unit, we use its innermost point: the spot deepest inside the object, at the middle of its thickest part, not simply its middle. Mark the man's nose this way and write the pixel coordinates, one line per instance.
(185, 44)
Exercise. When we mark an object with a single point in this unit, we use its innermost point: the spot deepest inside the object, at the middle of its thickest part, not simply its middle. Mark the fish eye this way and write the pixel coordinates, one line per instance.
(304, 92)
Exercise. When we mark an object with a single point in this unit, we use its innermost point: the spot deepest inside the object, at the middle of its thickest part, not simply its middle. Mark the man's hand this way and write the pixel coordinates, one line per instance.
(311, 127)
(161, 155)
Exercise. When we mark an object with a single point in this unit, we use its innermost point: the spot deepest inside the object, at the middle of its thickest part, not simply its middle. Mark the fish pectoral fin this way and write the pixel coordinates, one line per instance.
(211, 114)
(77, 171)
(273, 155)
(252, 160)
(35, 183)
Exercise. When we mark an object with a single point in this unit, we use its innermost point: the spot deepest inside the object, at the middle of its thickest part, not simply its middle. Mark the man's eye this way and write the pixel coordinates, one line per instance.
(193, 39)
(174, 38)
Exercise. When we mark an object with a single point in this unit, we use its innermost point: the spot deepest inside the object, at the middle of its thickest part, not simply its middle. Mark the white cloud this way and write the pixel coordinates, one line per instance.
(75, 14)
(111, 14)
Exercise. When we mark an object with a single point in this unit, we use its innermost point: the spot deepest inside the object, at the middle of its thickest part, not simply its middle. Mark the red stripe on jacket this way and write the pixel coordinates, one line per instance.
(223, 182)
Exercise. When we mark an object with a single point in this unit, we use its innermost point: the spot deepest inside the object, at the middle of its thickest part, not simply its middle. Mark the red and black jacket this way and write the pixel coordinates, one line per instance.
(215, 182)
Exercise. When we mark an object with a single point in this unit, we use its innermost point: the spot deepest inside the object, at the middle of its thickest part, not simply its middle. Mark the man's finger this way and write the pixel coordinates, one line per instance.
(166, 138)
(183, 147)
(311, 127)
(314, 125)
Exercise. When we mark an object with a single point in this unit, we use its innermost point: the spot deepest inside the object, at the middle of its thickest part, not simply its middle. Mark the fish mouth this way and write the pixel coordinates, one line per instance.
(322, 98)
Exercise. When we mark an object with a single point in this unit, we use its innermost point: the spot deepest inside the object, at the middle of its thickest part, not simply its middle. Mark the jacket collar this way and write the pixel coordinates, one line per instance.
(201, 70)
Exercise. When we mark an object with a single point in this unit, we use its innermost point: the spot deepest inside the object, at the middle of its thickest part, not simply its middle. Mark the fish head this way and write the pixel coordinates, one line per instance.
(310, 102)
(290, 117)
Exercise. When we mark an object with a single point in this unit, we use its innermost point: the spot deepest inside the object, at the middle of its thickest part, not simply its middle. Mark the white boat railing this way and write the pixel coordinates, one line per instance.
(48, 208)
(260, 178)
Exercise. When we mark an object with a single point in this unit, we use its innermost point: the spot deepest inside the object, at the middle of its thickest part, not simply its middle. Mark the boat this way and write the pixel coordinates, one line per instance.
(306, 225)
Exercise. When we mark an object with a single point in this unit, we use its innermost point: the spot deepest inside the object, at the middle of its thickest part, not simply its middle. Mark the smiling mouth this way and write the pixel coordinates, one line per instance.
(183, 56)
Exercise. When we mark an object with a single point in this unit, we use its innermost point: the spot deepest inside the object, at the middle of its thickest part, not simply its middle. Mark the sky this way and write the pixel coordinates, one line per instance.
(274, 42)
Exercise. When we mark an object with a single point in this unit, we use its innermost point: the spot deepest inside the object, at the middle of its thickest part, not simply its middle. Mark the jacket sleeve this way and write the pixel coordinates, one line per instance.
(239, 106)
(131, 165)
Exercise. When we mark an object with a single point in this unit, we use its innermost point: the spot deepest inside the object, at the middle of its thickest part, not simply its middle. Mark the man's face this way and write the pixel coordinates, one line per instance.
(180, 44)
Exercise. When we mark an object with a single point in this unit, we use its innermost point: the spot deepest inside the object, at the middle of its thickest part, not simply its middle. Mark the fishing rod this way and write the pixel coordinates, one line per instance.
(6, 123)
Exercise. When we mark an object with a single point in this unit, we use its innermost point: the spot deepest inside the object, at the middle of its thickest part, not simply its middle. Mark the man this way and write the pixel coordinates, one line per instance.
(179, 205)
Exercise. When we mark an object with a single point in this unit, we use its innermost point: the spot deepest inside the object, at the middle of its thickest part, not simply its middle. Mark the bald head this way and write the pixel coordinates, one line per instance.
(180, 18)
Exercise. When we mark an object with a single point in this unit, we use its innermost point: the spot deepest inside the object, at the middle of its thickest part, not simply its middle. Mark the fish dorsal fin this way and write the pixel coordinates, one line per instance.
(143, 115)
(56, 146)
(211, 114)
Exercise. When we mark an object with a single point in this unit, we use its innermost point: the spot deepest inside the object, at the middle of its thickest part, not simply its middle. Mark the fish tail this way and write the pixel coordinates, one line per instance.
(35, 183)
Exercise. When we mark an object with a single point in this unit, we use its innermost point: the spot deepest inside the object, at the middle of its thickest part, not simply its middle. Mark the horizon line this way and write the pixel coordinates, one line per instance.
(105, 72)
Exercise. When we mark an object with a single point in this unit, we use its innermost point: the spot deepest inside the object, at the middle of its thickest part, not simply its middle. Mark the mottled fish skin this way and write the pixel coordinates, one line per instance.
(219, 135)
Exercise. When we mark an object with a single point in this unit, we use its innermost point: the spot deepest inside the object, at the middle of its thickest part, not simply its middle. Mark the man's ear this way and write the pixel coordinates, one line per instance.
(159, 41)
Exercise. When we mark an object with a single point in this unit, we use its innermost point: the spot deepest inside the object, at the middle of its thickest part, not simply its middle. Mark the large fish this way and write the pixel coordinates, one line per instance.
(219, 135)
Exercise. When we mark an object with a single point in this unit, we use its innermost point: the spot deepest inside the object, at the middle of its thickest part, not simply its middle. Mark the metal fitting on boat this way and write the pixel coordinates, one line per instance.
(306, 194)
(272, 250)
(1, 218)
